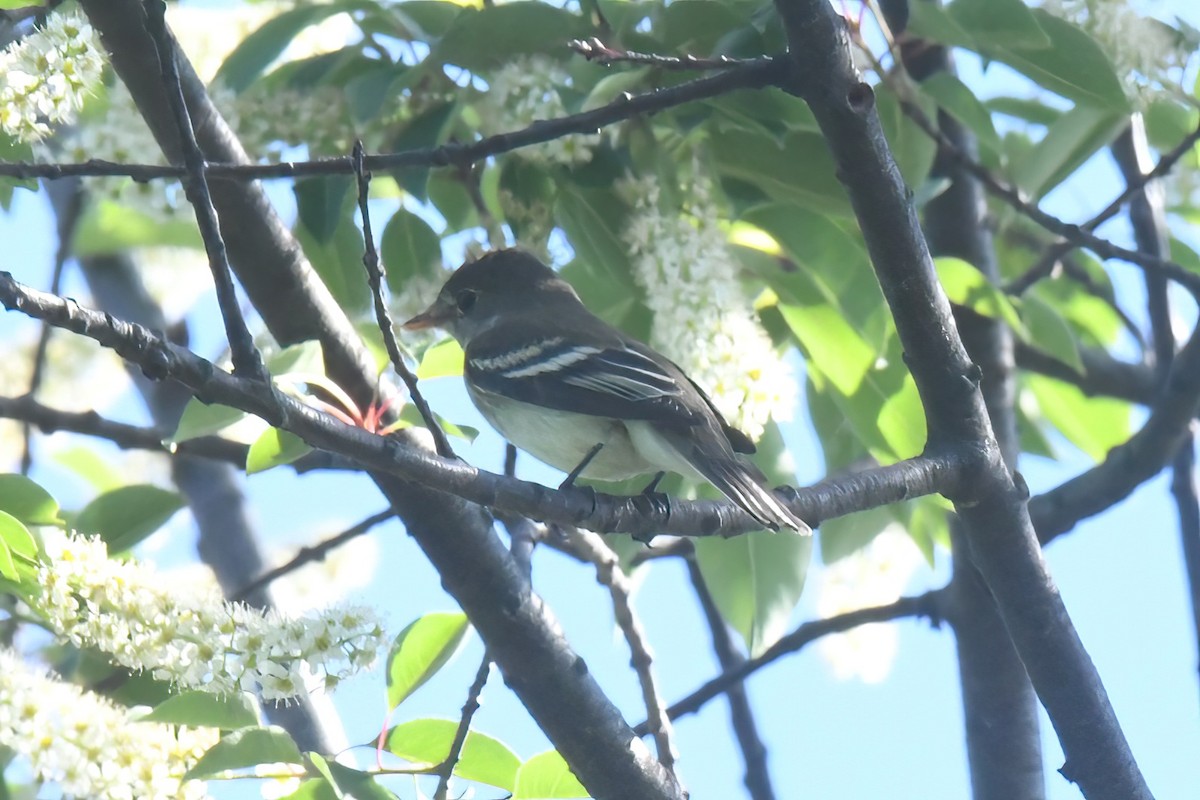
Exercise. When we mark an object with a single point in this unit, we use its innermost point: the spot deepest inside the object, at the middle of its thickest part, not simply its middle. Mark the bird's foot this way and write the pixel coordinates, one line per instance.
(574, 474)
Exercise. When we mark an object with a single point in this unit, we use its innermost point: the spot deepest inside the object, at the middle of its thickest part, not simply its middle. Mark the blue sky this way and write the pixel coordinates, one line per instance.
(1120, 575)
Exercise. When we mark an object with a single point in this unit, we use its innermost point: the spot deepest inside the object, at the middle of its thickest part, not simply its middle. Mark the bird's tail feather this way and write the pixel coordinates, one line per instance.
(738, 482)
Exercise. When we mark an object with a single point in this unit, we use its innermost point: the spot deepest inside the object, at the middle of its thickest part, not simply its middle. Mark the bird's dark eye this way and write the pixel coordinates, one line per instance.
(466, 300)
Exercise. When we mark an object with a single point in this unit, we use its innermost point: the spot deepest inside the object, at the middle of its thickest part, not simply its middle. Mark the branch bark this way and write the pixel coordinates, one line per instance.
(1002, 540)
(999, 705)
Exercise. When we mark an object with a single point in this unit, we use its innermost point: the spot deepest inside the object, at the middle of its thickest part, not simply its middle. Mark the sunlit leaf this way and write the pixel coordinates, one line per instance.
(275, 448)
(206, 710)
(547, 776)
(126, 516)
(1093, 424)
(27, 501)
(426, 742)
(247, 748)
(420, 650)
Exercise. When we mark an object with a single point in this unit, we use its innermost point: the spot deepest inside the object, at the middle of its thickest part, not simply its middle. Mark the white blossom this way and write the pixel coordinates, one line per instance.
(88, 745)
(873, 576)
(527, 90)
(1143, 51)
(45, 77)
(194, 639)
(703, 319)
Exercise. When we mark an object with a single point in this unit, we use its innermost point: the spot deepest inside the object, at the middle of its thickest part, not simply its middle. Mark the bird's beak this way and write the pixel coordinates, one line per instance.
(436, 316)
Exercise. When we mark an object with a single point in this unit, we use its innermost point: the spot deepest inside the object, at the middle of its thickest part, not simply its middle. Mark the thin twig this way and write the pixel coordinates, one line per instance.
(446, 769)
(383, 318)
(925, 605)
(1147, 215)
(315, 552)
(1076, 235)
(754, 75)
(247, 361)
(593, 49)
(754, 752)
(592, 548)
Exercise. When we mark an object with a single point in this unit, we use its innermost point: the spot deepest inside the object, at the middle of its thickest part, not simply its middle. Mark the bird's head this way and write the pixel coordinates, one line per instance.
(484, 291)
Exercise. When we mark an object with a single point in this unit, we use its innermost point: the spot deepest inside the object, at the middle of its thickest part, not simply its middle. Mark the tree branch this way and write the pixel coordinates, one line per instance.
(925, 605)
(1003, 543)
(754, 752)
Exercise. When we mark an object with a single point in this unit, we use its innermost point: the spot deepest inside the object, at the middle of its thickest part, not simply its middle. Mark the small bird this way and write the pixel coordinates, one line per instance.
(573, 391)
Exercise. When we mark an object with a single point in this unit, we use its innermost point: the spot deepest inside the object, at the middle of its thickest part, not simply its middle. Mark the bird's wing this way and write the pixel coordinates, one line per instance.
(610, 377)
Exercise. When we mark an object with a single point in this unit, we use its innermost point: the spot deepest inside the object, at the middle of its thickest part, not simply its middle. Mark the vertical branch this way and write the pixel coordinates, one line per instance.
(999, 705)
(1148, 218)
(754, 753)
(383, 318)
(592, 548)
(247, 362)
(446, 768)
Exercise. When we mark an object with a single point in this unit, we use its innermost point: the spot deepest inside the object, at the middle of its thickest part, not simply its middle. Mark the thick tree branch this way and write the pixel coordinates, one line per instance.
(160, 360)
(517, 628)
(999, 706)
(1003, 543)
(1103, 375)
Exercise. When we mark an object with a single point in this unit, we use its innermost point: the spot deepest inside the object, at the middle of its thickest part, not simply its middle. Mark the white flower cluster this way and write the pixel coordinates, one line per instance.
(195, 640)
(525, 91)
(47, 75)
(1143, 51)
(703, 320)
(873, 576)
(89, 746)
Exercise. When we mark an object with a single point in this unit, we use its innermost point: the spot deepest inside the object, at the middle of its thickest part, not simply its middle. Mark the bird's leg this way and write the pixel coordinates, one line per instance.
(575, 473)
(653, 484)
(579, 468)
(656, 503)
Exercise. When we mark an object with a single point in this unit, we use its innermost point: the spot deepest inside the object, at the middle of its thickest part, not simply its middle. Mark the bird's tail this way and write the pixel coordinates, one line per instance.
(742, 483)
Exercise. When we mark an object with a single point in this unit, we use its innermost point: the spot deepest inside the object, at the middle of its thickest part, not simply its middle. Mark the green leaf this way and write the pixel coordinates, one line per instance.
(845, 535)
(275, 448)
(27, 501)
(546, 776)
(1073, 138)
(206, 710)
(339, 262)
(1093, 424)
(126, 516)
(967, 286)
(247, 748)
(348, 782)
(1074, 65)
(756, 580)
(610, 87)
(797, 168)
(1024, 108)
(409, 248)
(201, 419)
(1048, 331)
(426, 742)
(98, 471)
(8, 567)
(320, 204)
(425, 20)
(426, 129)
(420, 650)
(315, 789)
(258, 50)
(956, 99)
(1000, 22)
(16, 537)
(488, 37)
(107, 227)
(443, 360)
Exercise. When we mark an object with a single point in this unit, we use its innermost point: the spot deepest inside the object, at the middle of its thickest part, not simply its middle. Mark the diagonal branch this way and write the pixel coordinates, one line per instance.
(247, 361)
(926, 605)
(751, 75)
